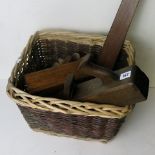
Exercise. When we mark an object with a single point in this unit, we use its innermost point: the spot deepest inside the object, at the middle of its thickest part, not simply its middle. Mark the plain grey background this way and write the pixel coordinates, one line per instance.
(21, 18)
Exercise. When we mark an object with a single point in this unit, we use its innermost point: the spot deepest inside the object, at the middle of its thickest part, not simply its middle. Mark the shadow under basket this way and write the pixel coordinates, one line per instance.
(55, 116)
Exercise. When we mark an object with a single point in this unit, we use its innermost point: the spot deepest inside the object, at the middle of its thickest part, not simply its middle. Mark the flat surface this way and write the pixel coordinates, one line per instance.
(136, 137)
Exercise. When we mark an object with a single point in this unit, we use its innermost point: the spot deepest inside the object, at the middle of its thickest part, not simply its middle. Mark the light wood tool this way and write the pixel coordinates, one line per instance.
(51, 78)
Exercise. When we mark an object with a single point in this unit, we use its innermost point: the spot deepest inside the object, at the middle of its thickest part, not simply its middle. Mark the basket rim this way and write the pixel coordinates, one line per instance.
(23, 98)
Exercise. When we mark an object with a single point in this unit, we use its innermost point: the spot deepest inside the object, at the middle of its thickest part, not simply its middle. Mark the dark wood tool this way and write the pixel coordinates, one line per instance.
(130, 86)
(119, 92)
(117, 34)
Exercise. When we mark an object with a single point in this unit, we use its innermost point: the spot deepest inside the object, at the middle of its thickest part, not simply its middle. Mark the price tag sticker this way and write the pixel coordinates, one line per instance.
(125, 75)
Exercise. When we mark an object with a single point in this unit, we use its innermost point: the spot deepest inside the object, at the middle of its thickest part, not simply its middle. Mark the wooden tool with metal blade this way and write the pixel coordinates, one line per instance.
(119, 92)
(129, 86)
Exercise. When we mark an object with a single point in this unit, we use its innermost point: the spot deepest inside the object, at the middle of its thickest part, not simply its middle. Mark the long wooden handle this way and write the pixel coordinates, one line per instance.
(117, 34)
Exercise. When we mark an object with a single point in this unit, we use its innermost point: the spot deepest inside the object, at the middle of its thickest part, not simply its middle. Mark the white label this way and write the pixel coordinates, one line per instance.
(125, 75)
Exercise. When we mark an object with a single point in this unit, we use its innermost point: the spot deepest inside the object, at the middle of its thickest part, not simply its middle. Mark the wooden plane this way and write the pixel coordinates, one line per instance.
(128, 86)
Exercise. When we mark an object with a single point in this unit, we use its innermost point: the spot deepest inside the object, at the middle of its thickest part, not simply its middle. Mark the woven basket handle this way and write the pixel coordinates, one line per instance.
(117, 33)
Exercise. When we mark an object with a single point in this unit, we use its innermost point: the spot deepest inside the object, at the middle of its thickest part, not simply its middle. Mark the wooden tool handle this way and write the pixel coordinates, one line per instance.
(69, 86)
(91, 69)
(88, 69)
(117, 34)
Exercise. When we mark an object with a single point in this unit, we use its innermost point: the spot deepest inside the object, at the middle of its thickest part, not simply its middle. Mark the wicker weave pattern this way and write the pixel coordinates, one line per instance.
(56, 105)
(81, 127)
(67, 107)
(61, 117)
(65, 36)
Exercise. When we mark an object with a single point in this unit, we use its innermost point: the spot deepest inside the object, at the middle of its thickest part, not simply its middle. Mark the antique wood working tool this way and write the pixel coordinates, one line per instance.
(51, 78)
(54, 77)
(124, 87)
(119, 92)
(109, 88)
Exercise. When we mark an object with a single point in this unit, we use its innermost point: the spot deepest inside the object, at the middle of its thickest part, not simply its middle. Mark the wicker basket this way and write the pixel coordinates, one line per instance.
(55, 116)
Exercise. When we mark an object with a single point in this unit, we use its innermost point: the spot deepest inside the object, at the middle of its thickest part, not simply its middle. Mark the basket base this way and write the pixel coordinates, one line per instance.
(79, 127)
(75, 137)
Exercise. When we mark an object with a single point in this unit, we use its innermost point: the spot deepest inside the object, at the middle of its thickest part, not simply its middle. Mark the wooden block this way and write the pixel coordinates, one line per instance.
(52, 79)
(49, 78)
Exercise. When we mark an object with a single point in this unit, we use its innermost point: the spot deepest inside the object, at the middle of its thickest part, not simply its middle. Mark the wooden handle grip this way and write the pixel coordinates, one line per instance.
(117, 34)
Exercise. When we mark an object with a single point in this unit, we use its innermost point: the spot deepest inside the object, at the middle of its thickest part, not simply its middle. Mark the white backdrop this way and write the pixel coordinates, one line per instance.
(21, 18)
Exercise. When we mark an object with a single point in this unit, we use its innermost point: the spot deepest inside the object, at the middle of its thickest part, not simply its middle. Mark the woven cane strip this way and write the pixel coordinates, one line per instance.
(57, 105)
(67, 107)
